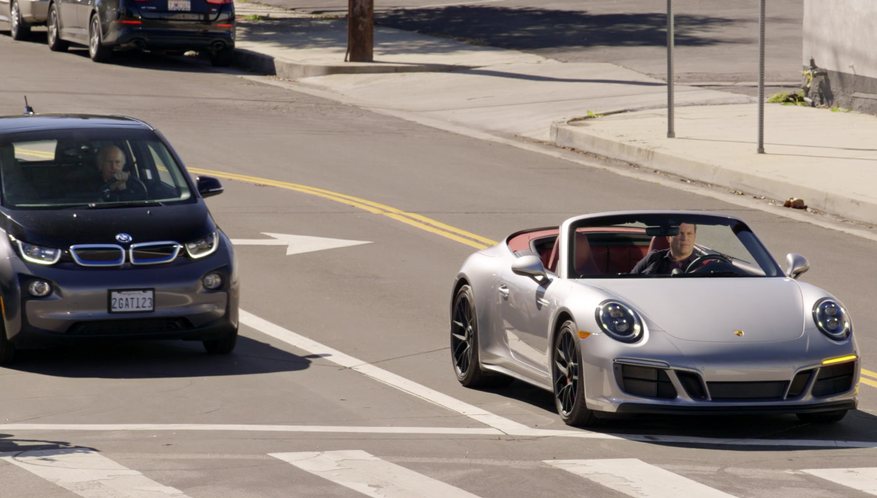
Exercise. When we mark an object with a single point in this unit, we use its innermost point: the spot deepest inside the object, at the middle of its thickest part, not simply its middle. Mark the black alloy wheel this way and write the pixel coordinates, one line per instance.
(464, 344)
(566, 370)
(19, 29)
(222, 345)
(96, 48)
(7, 348)
(56, 44)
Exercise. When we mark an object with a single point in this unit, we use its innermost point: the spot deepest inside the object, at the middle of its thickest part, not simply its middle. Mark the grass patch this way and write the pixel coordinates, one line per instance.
(784, 98)
(253, 17)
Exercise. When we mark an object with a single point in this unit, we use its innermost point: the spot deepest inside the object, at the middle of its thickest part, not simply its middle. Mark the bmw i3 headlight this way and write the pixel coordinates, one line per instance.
(205, 246)
(38, 254)
(619, 321)
(832, 319)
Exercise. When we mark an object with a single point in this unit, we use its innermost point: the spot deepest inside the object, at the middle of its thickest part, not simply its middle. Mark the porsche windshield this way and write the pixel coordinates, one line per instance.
(81, 168)
(702, 246)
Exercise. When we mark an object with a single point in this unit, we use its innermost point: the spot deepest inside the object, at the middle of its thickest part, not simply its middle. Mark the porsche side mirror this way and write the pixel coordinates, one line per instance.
(207, 186)
(797, 265)
(529, 266)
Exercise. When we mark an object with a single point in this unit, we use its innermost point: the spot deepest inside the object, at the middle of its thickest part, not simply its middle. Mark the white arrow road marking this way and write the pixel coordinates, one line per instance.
(862, 479)
(299, 244)
(89, 474)
(369, 475)
(636, 478)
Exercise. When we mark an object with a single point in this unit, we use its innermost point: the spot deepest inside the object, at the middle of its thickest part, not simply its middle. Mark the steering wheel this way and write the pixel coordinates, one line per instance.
(701, 264)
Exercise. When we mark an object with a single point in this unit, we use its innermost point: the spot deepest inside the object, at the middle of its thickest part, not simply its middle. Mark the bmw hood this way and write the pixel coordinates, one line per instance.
(733, 310)
(63, 228)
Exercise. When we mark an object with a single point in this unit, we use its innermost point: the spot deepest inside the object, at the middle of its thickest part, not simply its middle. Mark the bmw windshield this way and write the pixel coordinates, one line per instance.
(94, 168)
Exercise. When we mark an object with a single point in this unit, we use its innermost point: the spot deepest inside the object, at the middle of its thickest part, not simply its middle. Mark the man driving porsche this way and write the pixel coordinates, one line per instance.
(678, 256)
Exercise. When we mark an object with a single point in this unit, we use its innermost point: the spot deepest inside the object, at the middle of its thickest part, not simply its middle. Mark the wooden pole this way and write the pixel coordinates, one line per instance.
(360, 30)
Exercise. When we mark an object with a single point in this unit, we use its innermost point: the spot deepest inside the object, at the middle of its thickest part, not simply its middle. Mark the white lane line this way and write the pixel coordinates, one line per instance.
(861, 479)
(636, 478)
(449, 431)
(89, 474)
(301, 342)
(369, 475)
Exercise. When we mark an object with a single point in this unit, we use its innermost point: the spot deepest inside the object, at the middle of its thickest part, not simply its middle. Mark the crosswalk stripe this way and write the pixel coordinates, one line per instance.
(861, 479)
(89, 474)
(369, 475)
(636, 478)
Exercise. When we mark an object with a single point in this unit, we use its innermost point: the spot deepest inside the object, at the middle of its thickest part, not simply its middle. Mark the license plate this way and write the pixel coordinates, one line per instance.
(181, 5)
(132, 301)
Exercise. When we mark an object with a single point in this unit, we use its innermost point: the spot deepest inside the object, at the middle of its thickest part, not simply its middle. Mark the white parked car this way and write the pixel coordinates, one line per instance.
(22, 14)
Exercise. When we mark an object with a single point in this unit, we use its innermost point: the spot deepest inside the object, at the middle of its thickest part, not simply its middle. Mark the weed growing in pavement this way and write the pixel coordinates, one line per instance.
(839, 109)
(592, 115)
(253, 17)
(784, 98)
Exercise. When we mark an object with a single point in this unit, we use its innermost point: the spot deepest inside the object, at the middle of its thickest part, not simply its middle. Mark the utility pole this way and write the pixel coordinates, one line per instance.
(671, 130)
(761, 21)
(360, 30)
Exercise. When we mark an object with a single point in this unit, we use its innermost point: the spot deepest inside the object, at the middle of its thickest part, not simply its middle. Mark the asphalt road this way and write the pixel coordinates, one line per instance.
(716, 41)
(175, 420)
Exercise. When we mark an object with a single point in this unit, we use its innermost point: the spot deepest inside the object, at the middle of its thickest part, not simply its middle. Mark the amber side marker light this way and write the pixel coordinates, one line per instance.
(839, 359)
(583, 334)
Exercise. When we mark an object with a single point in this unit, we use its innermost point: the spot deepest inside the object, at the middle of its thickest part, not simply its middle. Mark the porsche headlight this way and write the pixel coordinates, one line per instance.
(205, 246)
(40, 255)
(832, 319)
(619, 321)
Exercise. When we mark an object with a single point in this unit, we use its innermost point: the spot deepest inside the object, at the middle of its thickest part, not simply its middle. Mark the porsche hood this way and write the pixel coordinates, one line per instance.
(732, 310)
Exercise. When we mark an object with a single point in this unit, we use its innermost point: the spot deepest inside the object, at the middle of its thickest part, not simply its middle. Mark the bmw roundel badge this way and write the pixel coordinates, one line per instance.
(123, 238)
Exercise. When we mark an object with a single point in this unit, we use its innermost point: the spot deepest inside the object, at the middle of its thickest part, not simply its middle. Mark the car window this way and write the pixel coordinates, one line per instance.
(704, 246)
(91, 169)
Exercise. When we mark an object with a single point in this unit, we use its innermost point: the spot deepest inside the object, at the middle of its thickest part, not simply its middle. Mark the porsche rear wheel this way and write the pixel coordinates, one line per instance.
(566, 369)
(822, 417)
(464, 344)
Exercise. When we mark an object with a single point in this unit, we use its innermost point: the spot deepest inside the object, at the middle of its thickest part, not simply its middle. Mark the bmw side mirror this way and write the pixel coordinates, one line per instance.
(207, 186)
(529, 266)
(797, 265)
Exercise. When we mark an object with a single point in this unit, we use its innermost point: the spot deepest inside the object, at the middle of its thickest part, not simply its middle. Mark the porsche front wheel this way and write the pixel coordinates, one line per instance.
(566, 368)
(464, 343)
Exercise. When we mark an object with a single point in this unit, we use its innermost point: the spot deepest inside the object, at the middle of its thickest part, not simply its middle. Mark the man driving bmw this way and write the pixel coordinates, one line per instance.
(116, 183)
(678, 256)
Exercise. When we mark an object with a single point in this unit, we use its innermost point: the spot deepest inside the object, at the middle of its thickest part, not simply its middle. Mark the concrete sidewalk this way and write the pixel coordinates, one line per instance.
(827, 158)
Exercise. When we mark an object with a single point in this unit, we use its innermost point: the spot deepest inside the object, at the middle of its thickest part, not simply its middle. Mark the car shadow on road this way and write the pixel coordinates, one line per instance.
(763, 432)
(156, 359)
(534, 28)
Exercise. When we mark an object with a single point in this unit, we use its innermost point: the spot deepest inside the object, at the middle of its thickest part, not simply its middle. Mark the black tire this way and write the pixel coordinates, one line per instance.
(566, 375)
(97, 51)
(7, 348)
(822, 417)
(19, 29)
(464, 344)
(222, 345)
(56, 44)
(222, 58)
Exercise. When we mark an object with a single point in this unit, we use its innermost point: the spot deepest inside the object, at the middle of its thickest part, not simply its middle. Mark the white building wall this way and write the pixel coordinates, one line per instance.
(841, 35)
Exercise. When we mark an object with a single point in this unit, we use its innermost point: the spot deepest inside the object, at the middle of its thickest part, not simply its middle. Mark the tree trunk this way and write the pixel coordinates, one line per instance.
(360, 30)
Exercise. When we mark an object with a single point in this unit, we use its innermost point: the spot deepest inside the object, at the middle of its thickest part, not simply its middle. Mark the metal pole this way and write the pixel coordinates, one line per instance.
(761, 76)
(671, 131)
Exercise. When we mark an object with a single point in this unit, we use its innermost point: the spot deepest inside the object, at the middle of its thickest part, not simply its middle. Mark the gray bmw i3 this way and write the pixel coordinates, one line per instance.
(103, 234)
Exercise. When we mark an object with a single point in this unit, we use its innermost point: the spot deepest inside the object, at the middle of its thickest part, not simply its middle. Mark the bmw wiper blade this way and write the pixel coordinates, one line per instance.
(106, 205)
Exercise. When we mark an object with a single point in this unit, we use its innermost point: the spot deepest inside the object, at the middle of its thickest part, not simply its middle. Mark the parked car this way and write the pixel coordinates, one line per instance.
(161, 25)
(103, 234)
(22, 14)
(729, 331)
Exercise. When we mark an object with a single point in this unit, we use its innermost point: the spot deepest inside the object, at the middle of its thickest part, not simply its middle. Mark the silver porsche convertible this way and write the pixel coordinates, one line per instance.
(653, 312)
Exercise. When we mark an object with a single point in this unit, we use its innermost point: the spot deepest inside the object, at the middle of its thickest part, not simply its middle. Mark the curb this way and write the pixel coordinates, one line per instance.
(292, 70)
(564, 134)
